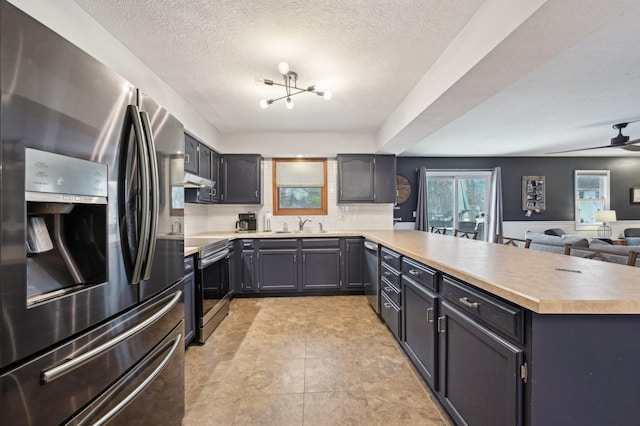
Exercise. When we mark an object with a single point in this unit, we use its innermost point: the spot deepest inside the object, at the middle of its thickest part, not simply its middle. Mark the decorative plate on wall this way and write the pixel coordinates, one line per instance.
(404, 189)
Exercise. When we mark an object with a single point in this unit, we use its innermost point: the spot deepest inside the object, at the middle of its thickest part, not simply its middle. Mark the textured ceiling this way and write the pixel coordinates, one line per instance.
(558, 81)
(369, 52)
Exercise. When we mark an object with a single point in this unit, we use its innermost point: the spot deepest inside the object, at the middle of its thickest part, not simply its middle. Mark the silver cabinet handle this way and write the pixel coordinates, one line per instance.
(122, 404)
(186, 159)
(414, 272)
(387, 289)
(387, 257)
(441, 328)
(429, 315)
(387, 305)
(74, 363)
(387, 273)
(466, 302)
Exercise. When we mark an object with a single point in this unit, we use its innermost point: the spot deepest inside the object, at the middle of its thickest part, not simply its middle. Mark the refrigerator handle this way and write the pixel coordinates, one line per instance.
(71, 364)
(155, 194)
(143, 164)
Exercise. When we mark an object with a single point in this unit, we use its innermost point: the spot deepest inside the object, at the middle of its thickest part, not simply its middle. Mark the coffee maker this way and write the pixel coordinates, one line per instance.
(246, 222)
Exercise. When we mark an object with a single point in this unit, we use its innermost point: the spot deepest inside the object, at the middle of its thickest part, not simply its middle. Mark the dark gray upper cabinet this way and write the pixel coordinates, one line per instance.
(241, 179)
(366, 178)
(354, 263)
(204, 162)
(384, 179)
(355, 178)
(190, 154)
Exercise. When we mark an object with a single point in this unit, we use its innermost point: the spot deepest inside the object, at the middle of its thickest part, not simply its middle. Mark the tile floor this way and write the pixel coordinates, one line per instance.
(304, 361)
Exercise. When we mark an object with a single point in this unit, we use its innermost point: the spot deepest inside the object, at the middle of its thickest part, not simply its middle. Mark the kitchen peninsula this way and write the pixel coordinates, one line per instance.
(512, 336)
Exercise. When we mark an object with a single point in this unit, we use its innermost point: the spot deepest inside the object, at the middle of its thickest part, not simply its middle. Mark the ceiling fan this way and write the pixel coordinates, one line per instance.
(619, 141)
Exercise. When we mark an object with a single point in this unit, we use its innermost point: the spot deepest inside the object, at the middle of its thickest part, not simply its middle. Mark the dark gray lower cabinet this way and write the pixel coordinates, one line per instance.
(321, 269)
(278, 270)
(353, 263)
(247, 279)
(390, 313)
(480, 381)
(420, 312)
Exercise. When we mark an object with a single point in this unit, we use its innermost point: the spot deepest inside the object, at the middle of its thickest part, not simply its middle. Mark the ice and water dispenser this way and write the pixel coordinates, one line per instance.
(66, 224)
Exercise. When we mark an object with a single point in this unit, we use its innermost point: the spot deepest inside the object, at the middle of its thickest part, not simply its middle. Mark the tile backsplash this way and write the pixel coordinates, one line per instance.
(219, 217)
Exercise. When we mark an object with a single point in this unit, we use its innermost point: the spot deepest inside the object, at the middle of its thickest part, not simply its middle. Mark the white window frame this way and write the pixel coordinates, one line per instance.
(605, 197)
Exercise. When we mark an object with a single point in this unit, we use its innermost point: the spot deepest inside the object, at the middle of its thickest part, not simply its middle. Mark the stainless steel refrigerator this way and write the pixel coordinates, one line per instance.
(91, 309)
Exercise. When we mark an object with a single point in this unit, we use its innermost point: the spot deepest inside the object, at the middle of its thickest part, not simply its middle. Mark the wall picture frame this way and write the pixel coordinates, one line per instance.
(534, 193)
(635, 195)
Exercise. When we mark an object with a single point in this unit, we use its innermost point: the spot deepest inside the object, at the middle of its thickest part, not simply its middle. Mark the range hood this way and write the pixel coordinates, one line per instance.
(195, 181)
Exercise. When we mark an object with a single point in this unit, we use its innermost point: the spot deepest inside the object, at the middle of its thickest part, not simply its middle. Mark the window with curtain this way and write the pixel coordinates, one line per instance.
(458, 200)
(299, 186)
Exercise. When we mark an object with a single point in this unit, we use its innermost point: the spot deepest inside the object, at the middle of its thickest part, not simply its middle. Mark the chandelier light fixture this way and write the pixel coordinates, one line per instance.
(291, 87)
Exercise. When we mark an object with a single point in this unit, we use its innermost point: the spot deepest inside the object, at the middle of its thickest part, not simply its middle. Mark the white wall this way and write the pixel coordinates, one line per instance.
(69, 20)
(211, 218)
(290, 144)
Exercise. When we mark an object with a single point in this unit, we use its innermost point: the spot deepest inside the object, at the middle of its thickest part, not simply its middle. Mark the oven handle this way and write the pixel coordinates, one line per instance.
(213, 259)
(58, 371)
(141, 387)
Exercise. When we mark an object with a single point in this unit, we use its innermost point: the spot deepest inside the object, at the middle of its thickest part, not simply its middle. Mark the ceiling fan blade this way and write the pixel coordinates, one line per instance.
(579, 149)
(635, 148)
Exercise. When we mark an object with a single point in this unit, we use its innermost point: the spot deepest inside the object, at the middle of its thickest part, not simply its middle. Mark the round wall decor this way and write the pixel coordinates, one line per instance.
(404, 189)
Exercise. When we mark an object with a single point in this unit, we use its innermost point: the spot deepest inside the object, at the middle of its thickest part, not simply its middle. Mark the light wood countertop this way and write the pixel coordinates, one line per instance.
(545, 283)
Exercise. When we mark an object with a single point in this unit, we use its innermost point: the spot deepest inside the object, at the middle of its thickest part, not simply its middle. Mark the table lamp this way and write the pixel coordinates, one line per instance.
(605, 216)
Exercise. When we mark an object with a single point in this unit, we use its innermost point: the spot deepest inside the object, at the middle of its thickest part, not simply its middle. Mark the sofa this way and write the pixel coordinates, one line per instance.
(556, 244)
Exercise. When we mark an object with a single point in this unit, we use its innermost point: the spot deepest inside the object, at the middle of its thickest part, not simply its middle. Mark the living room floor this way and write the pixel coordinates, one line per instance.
(305, 361)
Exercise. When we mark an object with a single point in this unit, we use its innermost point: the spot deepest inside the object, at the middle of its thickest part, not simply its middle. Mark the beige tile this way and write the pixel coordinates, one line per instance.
(218, 411)
(331, 374)
(401, 406)
(336, 408)
(311, 360)
(281, 410)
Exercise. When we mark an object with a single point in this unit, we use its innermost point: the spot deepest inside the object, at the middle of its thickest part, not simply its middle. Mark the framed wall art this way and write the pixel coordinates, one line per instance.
(533, 193)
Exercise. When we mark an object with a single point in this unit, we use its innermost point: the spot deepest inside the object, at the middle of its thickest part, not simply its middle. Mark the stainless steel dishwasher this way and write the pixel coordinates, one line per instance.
(371, 287)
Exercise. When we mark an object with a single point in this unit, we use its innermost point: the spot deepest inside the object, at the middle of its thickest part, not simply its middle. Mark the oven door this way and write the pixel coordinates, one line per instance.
(212, 287)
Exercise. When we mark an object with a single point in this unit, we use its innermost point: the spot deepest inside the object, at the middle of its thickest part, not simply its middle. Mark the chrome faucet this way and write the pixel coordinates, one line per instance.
(301, 223)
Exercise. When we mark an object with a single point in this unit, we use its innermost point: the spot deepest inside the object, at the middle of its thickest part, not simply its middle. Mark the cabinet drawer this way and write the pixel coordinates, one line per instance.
(391, 258)
(286, 243)
(500, 315)
(390, 291)
(390, 274)
(391, 315)
(320, 243)
(420, 273)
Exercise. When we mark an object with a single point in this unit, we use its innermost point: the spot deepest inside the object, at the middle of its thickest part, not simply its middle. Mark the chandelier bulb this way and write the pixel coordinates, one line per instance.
(283, 68)
(264, 104)
(259, 81)
(327, 95)
(289, 103)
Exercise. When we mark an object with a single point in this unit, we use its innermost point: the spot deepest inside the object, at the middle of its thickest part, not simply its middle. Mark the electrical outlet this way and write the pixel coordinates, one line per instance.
(414, 213)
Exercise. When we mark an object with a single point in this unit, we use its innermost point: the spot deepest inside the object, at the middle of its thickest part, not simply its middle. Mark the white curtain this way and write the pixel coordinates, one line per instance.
(494, 222)
(421, 207)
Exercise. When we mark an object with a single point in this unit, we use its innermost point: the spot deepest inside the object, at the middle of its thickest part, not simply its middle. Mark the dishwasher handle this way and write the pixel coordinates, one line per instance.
(370, 246)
